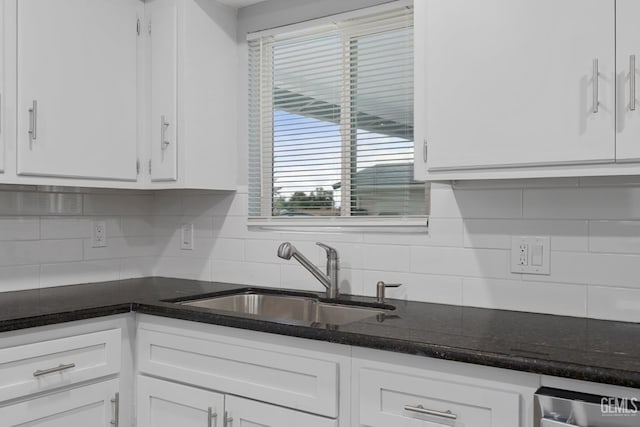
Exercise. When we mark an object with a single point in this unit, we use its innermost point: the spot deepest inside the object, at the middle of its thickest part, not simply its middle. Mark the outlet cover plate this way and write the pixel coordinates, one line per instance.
(531, 255)
(98, 234)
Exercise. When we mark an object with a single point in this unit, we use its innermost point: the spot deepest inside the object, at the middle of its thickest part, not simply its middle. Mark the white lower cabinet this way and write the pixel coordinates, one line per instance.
(167, 404)
(93, 405)
(409, 391)
(256, 379)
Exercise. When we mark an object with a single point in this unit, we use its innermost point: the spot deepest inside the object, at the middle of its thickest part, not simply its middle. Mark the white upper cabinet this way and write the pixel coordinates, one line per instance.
(628, 78)
(163, 52)
(193, 64)
(2, 86)
(517, 83)
(77, 80)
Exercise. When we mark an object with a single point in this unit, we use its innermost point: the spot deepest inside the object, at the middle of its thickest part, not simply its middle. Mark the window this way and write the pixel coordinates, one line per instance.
(331, 123)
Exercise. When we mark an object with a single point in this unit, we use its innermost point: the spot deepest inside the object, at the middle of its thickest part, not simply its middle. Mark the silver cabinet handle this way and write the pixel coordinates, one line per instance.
(596, 77)
(422, 410)
(0, 113)
(632, 83)
(116, 410)
(227, 420)
(211, 416)
(164, 124)
(33, 120)
(424, 150)
(53, 370)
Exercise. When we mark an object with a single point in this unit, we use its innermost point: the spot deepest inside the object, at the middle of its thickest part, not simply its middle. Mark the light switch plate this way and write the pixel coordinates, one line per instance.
(530, 255)
(186, 241)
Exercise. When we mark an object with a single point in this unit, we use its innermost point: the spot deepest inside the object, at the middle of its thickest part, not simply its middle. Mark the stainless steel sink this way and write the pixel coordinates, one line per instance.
(287, 308)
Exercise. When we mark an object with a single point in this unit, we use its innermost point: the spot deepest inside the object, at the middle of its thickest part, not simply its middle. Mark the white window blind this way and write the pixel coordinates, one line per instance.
(331, 123)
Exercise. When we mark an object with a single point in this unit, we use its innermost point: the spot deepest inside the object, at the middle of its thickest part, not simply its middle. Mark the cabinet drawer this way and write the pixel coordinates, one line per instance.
(45, 365)
(386, 399)
(295, 381)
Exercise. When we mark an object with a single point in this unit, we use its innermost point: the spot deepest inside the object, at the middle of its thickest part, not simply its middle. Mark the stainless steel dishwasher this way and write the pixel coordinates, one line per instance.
(562, 408)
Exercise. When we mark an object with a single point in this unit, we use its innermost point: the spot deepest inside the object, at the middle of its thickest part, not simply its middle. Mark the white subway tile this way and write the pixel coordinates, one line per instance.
(50, 251)
(247, 273)
(171, 225)
(67, 273)
(19, 228)
(33, 203)
(231, 204)
(167, 204)
(614, 304)
(444, 261)
(517, 183)
(137, 226)
(201, 204)
(74, 227)
(551, 298)
(489, 203)
(496, 234)
(443, 203)
(19, 278)
(441, 232)
(592, 269)
(387, 257)
(228, 249)
(116, 204)
(121, 247)
(183, 268)
(131, 268)
(416, 287)
(583, 203)
(614, 236)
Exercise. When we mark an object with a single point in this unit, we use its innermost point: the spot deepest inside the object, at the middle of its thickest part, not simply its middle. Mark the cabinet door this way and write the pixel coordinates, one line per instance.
(2, 85)
(166, 404)
(77, 103)
(163, 15)
(92, 405)
(518, 82)
(628, 78)
(248, 413)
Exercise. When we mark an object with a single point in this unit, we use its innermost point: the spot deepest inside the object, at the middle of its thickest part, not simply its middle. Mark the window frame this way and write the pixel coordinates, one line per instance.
(346, 220)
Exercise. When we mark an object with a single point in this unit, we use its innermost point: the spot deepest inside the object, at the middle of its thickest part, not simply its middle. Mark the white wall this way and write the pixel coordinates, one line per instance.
(44, 237)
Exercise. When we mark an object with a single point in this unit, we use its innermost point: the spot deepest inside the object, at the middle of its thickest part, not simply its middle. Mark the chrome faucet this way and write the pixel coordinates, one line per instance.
(329, 280)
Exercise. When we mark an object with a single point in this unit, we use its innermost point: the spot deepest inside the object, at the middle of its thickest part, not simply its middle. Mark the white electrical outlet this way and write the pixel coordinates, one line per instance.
(530, 255)
(99, 234)
(186, 241)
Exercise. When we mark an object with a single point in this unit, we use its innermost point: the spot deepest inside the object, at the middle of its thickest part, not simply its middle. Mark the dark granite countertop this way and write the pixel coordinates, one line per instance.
(585, 349)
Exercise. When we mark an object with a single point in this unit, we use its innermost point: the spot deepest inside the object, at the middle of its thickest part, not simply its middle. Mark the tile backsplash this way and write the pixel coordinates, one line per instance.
(594, 225)
(45, 237)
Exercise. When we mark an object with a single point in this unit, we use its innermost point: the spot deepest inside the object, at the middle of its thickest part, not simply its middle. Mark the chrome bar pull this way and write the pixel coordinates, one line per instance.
(0, 113)
(632, 83)
(227, 420)
(422, 410)
(58, 368)
(211, 416)
(116, 410)
(33, 120)
(424, 150)
(596, 78)
(164, 124)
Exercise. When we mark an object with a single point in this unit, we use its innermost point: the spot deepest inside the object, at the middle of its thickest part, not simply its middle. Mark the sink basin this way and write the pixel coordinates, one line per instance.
(287, 308)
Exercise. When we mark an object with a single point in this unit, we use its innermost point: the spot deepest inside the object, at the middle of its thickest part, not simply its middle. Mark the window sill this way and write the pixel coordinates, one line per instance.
(341, 225)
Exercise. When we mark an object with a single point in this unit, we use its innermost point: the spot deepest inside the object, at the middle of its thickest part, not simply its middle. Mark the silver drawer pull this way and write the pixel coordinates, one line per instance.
(116, 410)
(422, 410)
(53, 370)
(212, 415)
(227, 420)
(596, 78)
(632, 83)
(164, 124)
(33, 120)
